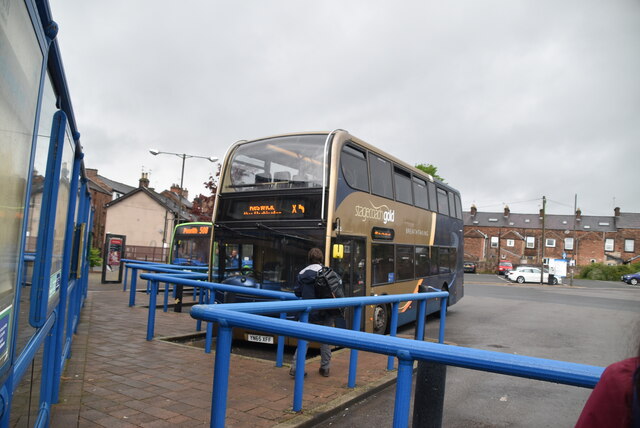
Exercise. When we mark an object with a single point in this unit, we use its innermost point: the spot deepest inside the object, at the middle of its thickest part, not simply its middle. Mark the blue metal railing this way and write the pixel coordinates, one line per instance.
(407, 351)
(291, 304)
(135, 266)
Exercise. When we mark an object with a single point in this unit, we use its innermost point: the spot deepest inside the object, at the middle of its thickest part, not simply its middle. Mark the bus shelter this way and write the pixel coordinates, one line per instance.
(45, 215)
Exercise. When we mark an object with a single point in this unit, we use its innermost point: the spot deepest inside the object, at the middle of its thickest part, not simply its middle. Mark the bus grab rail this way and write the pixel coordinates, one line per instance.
(407, 351)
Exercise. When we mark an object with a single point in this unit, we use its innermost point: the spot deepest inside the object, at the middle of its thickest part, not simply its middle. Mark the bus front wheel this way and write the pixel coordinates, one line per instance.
(380, 319)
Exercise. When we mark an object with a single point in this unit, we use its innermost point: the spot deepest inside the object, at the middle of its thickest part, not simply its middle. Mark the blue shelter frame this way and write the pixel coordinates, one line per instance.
(45, 208)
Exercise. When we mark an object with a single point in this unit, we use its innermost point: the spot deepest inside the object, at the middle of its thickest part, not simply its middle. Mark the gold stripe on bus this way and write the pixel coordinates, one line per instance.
(408, 304)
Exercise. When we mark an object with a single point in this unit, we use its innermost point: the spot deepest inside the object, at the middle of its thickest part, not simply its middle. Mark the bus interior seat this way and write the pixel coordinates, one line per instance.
(282, 178)
(298, 180)
(263, 177)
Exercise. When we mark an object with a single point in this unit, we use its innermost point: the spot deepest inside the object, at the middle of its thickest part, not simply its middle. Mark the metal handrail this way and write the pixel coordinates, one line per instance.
(407, 351)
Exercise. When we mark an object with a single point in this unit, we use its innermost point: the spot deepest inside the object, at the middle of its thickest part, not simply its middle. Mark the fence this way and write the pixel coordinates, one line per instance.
(147, 254)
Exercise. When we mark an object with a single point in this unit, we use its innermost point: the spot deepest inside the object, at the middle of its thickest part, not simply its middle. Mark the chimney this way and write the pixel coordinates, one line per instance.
(616, 211)
(541, 213)
(91, 172)
(144, 180)
(578, 214)
(176, 189)
(506, 211)
(474, 210)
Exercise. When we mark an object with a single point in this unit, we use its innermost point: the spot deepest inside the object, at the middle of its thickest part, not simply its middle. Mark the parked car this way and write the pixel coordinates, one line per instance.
(524, 274)
(470, 267)
(504, 267)
(630, 278)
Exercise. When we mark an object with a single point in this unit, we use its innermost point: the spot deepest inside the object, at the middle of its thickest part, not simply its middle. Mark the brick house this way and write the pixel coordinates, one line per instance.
(490, 237)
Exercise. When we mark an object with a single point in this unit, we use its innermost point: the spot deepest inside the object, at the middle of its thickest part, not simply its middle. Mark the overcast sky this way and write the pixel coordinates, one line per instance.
(511, 100)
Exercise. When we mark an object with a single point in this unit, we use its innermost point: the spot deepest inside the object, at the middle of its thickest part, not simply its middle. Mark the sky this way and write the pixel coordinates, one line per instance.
(510, 100)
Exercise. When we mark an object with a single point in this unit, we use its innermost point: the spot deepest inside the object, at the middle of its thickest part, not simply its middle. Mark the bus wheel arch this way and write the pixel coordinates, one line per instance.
(381, 317)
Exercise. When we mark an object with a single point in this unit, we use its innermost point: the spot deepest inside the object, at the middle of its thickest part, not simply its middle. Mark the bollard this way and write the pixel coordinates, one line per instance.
(178, 305)
(428, 402)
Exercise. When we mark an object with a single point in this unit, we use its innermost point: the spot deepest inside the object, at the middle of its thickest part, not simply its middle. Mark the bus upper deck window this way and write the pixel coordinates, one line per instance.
(354, 168)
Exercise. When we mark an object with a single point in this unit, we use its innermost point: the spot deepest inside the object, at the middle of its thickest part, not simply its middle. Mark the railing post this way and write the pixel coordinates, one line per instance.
(151, 319)
(393, 331)
(126, 274)
(353, 356)
(281, 339)
(301, 356)
(208, 338)
(443, 318)
(132, 290)
(421, 319)
(165, 305)
(221, 376)
(403, 390)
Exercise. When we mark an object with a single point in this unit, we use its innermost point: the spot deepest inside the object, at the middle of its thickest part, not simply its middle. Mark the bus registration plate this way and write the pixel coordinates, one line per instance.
(259, 338)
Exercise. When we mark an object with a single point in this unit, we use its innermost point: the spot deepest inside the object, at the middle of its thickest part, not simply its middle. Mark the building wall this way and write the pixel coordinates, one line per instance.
(589, 247)
(141, 219)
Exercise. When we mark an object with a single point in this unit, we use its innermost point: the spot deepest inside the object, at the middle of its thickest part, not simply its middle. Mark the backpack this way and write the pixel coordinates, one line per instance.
(328, 284)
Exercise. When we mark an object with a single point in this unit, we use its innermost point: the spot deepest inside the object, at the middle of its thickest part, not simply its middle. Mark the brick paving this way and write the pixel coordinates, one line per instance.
(116, 378)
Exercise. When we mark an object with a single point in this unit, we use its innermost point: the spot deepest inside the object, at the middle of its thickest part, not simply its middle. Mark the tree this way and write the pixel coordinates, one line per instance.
(203, 204)
(430, 169)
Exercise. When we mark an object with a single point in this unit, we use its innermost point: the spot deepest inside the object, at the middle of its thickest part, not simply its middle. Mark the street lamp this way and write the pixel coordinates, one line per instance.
(184, 157)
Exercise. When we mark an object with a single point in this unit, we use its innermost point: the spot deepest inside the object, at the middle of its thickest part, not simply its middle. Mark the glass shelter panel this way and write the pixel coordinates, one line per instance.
(48, 109)
(20, 71)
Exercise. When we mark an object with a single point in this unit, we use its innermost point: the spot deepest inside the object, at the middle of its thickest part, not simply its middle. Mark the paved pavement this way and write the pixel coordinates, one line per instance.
(116, 378)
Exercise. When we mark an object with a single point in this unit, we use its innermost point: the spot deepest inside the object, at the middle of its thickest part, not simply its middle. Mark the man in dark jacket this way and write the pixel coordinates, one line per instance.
(305, 288)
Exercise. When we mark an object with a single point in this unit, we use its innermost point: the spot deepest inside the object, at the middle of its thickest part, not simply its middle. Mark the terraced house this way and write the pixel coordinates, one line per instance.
(490, 237)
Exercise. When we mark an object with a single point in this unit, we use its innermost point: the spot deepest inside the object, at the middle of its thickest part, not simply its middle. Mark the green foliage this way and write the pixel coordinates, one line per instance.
(430, 169)
(94, 257)
(602, 272)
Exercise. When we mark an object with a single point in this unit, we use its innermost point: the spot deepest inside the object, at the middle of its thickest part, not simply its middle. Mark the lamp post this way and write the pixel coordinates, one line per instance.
(184, 157)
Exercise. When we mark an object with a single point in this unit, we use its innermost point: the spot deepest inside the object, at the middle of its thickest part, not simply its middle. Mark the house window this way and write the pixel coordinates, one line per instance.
(551, 243)
(608, 244)
(629, 245)
(568, 243)
(494, 242)
(511, 243)
(531, 242)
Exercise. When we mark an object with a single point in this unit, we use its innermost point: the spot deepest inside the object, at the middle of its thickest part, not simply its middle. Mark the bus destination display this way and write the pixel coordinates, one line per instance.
(291, 210)
(193, 230)
(285, 208)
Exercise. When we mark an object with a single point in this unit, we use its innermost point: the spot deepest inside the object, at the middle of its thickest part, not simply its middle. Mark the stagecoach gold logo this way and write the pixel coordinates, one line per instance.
(381, 213)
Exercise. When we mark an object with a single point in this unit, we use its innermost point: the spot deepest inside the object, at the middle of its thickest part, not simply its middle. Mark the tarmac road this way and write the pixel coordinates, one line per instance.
(593, 322)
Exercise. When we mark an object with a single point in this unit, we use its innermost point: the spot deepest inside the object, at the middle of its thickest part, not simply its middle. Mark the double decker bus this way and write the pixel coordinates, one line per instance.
(383, 225)
(190, 244)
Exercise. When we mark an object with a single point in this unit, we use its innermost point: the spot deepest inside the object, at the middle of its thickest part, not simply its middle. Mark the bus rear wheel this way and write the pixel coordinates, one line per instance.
(380, 319)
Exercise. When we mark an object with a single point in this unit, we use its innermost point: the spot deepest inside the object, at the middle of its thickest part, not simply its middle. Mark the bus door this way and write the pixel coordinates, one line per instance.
(348, 259)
